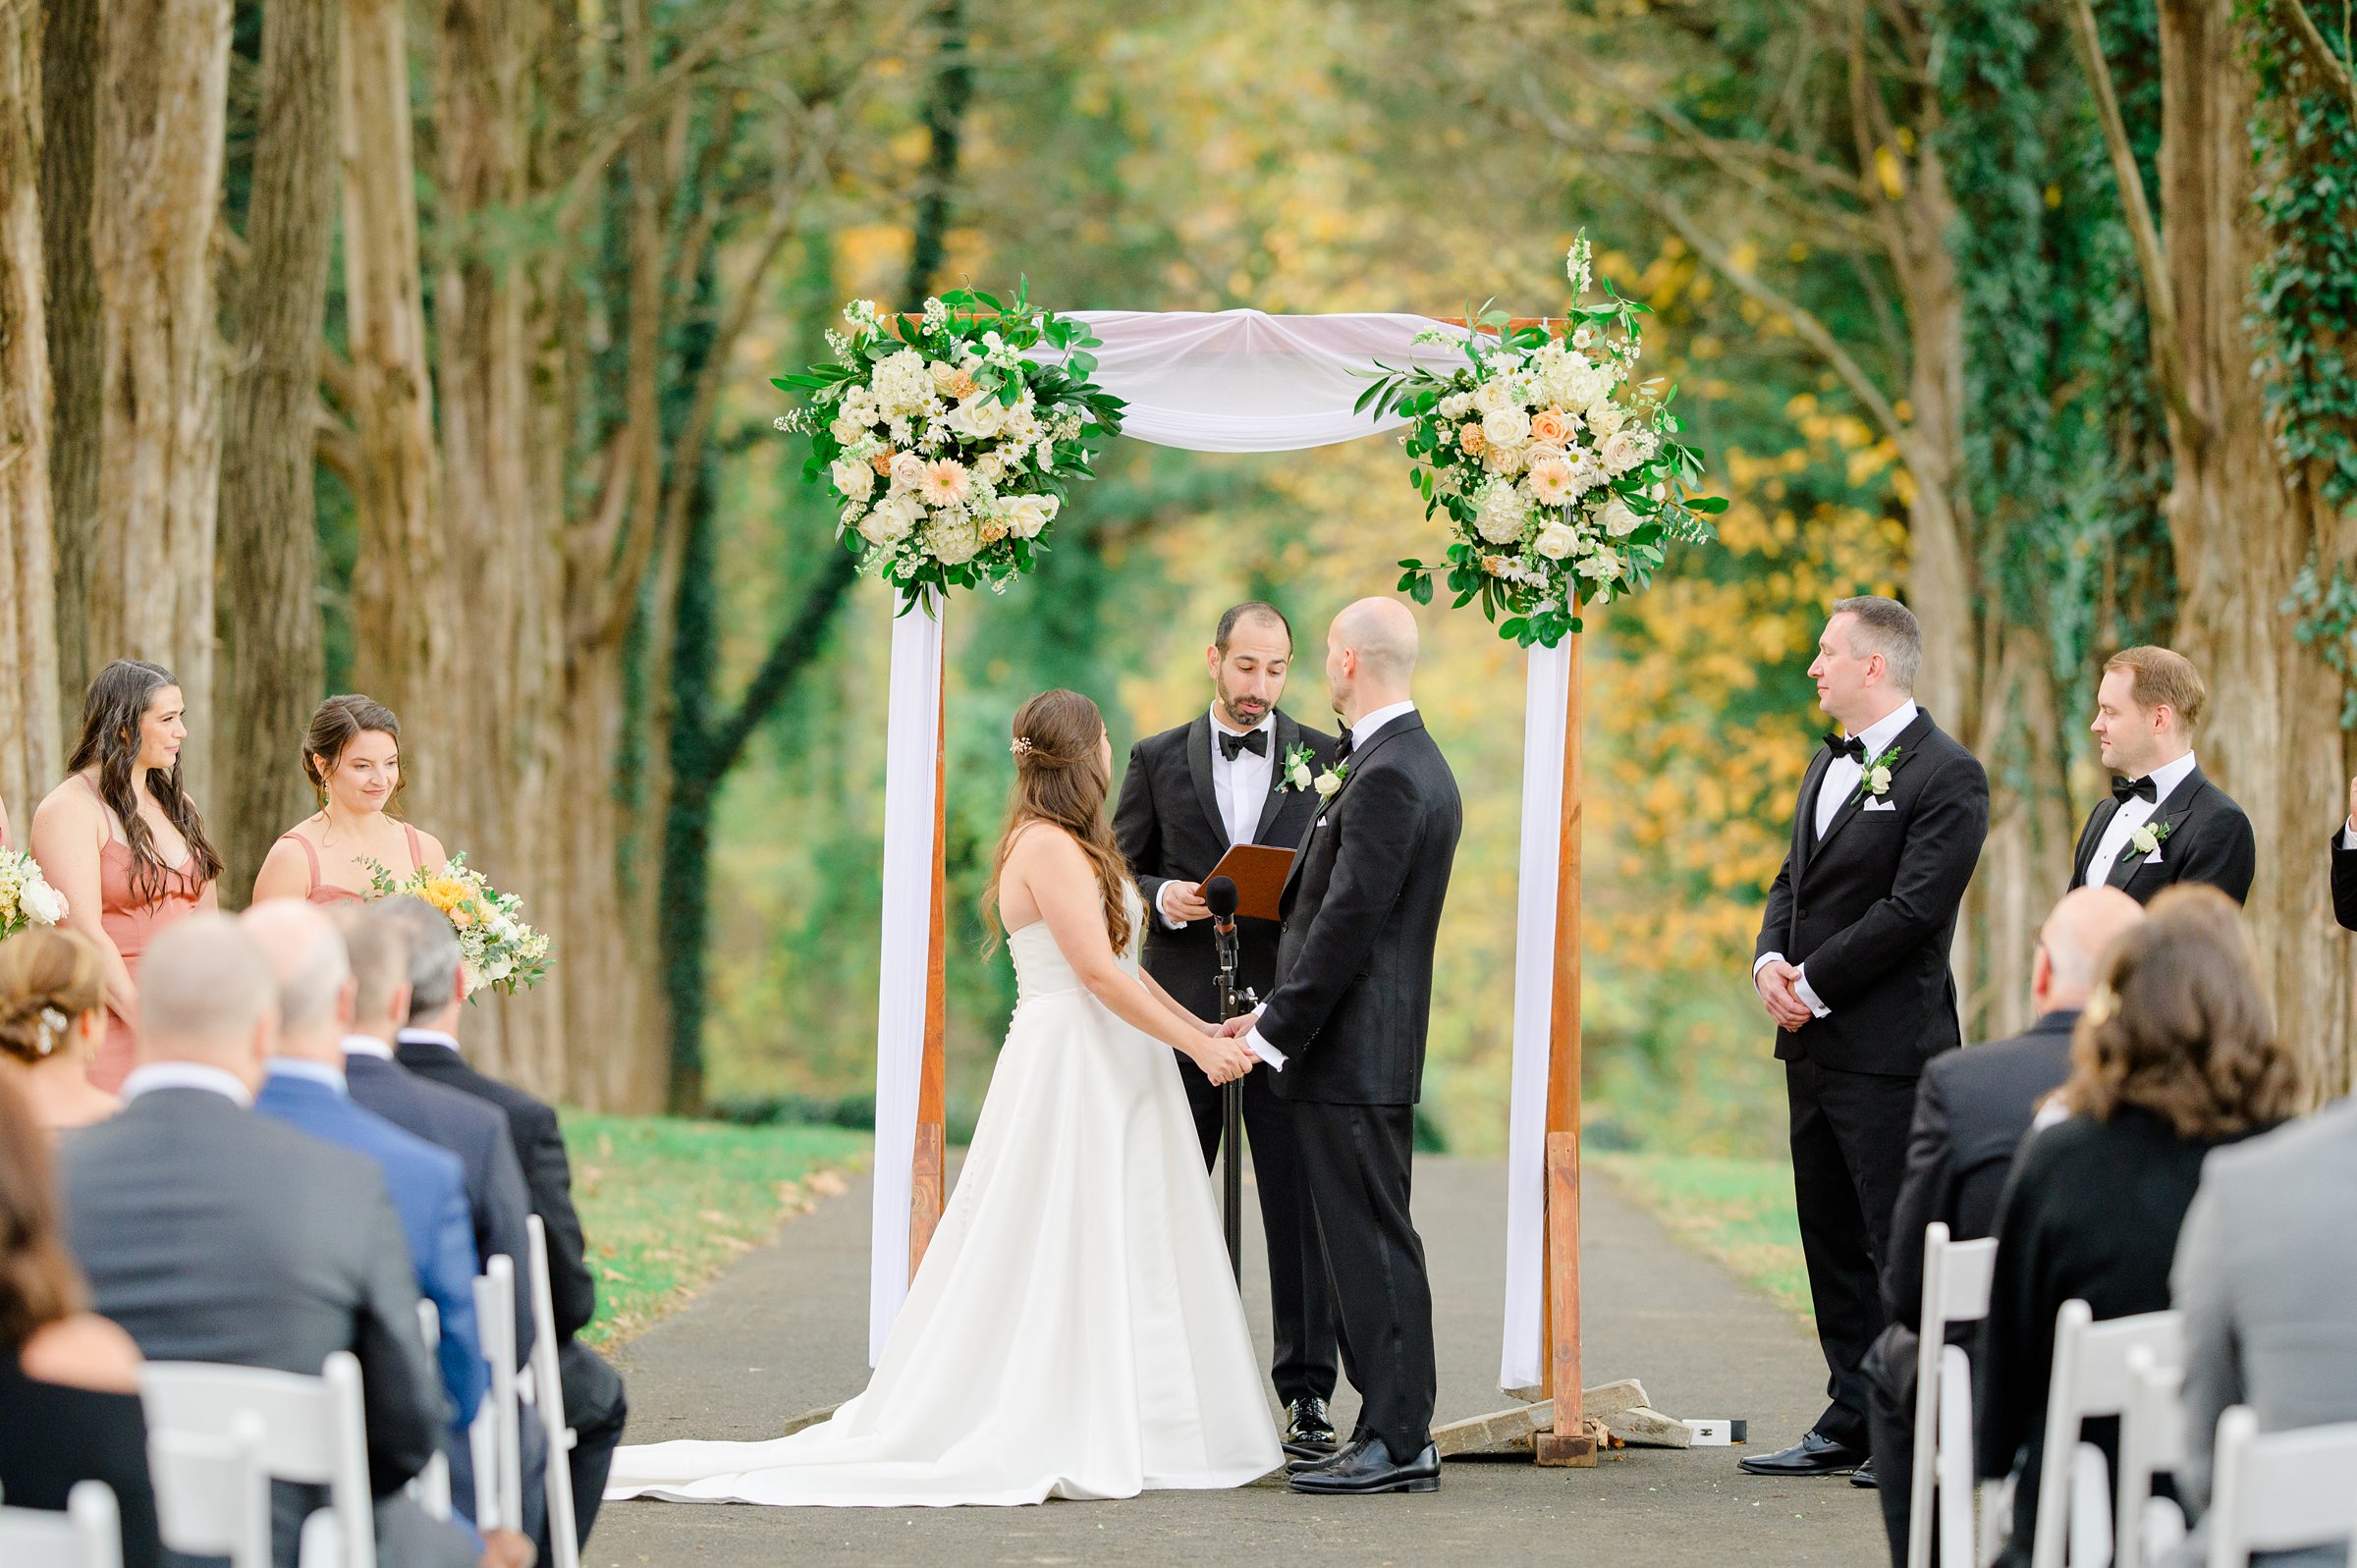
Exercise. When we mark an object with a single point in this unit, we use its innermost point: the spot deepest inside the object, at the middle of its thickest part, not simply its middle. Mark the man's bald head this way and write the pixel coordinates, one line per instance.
(1370, 657)
(306, 953)
(2073, 941)
(207, 994)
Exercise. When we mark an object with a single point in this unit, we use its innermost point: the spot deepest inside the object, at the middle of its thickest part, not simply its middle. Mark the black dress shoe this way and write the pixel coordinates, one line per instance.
(1814, 1455)
(1367, 1467)
(1308, 1430)
(1863, 1475)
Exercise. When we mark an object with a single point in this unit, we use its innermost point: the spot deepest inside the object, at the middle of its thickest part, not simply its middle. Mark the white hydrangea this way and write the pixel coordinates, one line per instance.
(955, 538)
(1501, 513)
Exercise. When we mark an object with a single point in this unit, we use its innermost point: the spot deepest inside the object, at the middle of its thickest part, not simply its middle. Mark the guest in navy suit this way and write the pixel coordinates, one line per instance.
(306, 1089)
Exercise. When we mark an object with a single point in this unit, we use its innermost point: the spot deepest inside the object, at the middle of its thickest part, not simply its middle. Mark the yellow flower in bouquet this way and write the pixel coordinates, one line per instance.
(498, 948)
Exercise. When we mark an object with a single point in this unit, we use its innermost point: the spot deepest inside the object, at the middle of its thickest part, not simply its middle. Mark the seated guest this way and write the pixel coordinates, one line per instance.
(593, 1393)
(52, 1018)
(214, 1234)
(69, 1378)
(307, 1090)
(1972, 1110)
(2267, 1279)
(2173, 1055)
(2344, 865)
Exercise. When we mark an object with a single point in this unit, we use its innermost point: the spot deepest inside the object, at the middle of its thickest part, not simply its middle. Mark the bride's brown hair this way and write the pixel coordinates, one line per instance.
(1060, 777)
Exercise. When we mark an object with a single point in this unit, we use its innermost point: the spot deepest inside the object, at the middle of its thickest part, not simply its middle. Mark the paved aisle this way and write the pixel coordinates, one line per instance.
(786, 1330)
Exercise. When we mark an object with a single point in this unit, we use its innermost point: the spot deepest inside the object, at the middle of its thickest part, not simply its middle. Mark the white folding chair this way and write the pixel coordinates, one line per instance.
(2281, 1490)
(546, 1388)
(497, 1438)
(311, 1429)
(430, 1488)
(88, 1534)
(212, 1496)
(2152, 1444)
(1956, 1289)
(2075, 1523)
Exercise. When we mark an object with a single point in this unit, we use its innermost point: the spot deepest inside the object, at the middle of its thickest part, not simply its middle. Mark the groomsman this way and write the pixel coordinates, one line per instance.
(2345, 866)
(1191, 792)
(2165, 823)
(1852, 966)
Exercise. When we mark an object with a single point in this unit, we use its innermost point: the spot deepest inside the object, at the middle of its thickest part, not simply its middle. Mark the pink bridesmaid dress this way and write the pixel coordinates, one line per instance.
(327, 893)
(132, 923)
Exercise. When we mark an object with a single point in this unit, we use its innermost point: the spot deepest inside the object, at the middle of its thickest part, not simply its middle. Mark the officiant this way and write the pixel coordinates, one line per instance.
(1239, 774)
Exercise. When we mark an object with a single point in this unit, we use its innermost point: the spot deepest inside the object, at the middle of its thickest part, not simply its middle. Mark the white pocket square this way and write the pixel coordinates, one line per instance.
(1881, 805)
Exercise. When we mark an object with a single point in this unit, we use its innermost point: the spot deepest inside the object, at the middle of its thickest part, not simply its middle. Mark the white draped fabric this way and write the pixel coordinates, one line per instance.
(1221, 381)
(911, 737)
(1544, 709)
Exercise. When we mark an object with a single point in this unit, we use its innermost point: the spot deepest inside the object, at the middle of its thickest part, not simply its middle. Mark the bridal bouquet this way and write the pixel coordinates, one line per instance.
(26, 896)
(950, 438)
(1561, 475)
(499, 950)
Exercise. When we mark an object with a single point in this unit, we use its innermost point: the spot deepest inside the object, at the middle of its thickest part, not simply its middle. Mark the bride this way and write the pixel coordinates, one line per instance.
(1073, 1331)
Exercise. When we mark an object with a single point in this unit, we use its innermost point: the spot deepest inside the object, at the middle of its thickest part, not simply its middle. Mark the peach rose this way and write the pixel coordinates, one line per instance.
(882, 461)
(1549, 428)
(1471, 439)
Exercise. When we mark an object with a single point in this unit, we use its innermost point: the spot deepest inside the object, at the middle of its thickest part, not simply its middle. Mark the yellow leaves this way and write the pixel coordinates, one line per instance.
(1889, 173)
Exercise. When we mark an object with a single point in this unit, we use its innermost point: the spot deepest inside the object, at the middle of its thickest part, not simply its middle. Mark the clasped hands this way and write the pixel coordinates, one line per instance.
(1773, 980)
(1225, 1056)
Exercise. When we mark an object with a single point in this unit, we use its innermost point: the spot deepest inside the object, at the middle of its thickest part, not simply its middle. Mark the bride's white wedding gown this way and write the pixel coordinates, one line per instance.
(1073, 1331)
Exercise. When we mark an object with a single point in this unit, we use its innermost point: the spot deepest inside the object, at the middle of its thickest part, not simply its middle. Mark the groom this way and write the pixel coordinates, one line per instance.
(1191, 792)
(1344, 1032)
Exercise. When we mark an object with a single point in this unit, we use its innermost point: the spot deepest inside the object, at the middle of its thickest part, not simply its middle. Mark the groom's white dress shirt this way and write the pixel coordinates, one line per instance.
(1840, 781)
(1360, 733)
(1239, 787)
(2134, 813)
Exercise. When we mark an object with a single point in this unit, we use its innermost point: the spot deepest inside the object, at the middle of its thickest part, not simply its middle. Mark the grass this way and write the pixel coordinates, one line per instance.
(668, 1204)
(1737, 1211)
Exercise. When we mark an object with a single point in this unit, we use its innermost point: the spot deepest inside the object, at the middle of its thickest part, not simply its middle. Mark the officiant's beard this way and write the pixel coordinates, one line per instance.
(1243, 709)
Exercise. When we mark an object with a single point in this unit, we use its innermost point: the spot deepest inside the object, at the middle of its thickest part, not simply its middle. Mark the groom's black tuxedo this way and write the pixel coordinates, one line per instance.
(1362, 911)
(1868, 910)
(1167, 825)
(2210, 840)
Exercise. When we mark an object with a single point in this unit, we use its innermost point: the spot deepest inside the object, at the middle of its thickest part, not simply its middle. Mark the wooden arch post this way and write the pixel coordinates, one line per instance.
(929, 1162)
(1570, 1442)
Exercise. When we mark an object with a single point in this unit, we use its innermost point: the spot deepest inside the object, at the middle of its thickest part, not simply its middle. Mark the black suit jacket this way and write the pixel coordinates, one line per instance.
(1870, 909)
(474, 1131)
(1972, 1110)
(2210, 840)
(1363, 912)
(539, 1145)
(1167, 825)
(2344, 882)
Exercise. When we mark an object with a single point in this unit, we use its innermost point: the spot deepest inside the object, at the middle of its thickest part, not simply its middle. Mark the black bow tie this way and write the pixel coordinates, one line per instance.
(1257, 741)
(1342, 750)
(1850, 746)
(2125, 791)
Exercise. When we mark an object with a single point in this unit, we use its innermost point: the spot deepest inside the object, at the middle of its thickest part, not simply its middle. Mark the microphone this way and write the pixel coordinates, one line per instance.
(1218, 896)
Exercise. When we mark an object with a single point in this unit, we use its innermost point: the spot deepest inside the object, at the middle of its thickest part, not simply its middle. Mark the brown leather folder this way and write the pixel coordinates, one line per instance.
(1258, 871)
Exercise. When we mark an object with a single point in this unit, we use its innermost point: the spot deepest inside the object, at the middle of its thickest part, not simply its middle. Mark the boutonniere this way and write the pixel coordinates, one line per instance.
(2148, 839)
(1330, 780)
(1295, 775)
(1875, 781)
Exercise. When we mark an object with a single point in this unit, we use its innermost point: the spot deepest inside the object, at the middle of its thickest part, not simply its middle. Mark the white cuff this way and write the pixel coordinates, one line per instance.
(1168, 919)
(1264, 1051)
(1763, 962)
(1808, 995)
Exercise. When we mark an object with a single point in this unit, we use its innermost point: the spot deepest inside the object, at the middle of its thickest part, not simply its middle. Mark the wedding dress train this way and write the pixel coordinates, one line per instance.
(1073, 1331)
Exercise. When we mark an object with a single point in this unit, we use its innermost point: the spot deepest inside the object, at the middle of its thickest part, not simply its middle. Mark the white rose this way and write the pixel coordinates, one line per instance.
(1555, 541)
(1622, 452)
(907, 471)
(1618, 518)
(1298, 776)
(43, 905)
(954, 537)
(892, 519)
(1604, 567)
(1026, 515)
(1328, 783)
(978, 418)
(1455, 405)
(1506, 427)
(853, 477)
(1605, 417)
(1879, 782)
(1506, 460)
(1494, 394)
(845, 429)
(498, 969)
(1503, 512)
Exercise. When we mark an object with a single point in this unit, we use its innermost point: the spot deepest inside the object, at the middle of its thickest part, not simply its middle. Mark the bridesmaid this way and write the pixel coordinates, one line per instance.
(351, 755)
(123, 841)
(52, 1018)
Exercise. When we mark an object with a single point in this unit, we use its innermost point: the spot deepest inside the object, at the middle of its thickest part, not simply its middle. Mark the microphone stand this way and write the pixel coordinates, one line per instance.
(1232, 1095)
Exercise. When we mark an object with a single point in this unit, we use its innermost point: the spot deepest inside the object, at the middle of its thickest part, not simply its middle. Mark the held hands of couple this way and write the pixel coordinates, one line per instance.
(1224, 1058)
(1773, 982)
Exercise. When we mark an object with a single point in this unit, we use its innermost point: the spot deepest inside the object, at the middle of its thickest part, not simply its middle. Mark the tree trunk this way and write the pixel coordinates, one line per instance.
(270, 632)
(73, 46)
(30, 762)
(159, 432)
(2242, 527)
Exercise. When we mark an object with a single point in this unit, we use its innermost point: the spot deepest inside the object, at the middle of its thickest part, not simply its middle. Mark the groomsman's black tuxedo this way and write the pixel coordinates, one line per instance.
(1868, 911)
(2345, 879)
(1169, 828)
(2208, 841)
(594, 1406)
(1362, 913)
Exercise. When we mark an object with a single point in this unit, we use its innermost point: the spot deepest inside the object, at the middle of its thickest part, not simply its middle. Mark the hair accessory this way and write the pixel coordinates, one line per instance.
(1020, 746)
(2101, 1003)
(53, 1029)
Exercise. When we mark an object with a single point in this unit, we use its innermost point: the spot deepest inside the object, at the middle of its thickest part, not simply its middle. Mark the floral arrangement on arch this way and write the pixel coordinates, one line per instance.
(25, 898)
(496, 947)
(950, 438)
(1560, 474)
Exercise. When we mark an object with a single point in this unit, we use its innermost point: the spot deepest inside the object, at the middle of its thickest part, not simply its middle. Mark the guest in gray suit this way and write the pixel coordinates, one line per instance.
(213, 1234)
(2266, 1277)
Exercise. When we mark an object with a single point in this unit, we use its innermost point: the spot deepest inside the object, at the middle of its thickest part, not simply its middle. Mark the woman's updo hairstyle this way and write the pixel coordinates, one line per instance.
(1060, 777)
(49, 976)
(336, 723)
